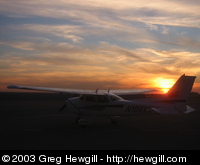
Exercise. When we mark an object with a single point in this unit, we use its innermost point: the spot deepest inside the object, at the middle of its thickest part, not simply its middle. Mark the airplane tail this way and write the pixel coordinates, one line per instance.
(181, 90)
(177, 96)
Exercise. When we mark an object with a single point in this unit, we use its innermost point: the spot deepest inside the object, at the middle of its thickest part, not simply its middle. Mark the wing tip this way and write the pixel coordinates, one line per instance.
(12, 86)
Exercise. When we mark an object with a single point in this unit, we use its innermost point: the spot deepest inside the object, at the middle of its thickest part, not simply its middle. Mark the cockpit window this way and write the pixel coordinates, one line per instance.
(94, 98)
(91, 98)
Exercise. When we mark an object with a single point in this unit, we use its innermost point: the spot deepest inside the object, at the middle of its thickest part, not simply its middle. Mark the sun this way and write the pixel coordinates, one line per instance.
(164, 84)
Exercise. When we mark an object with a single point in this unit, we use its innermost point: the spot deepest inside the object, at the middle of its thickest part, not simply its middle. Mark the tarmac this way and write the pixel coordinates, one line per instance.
(31, 121)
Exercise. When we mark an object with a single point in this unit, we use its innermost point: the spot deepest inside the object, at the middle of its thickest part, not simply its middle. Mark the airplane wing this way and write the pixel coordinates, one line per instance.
(122, 92)
(58, 90)
(79, 91)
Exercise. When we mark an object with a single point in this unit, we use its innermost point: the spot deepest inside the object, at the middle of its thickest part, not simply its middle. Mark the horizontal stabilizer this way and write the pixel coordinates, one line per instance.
(189, 109)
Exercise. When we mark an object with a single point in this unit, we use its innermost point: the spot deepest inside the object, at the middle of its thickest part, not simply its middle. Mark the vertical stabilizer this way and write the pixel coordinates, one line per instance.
(181, 90)
(177, 96)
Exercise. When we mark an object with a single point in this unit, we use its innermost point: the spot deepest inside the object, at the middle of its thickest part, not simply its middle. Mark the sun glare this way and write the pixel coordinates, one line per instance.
(164, 84)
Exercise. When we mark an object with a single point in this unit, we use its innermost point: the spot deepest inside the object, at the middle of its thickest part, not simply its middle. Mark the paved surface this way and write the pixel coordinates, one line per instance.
(32, 121)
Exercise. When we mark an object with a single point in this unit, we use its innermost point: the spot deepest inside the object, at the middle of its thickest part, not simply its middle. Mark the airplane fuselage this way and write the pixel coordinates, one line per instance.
(108, 105)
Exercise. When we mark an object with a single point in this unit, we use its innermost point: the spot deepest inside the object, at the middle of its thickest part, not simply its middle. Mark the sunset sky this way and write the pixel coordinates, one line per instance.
(89, 44)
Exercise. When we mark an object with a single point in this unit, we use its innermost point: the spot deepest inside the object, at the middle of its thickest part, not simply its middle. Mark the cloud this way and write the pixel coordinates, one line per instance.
(100, 59)
(116, 51)
(117, 21)
(109, 13)
(110, 42)
(80, 33)
(165, 30)
(66, 31)
(19, 45)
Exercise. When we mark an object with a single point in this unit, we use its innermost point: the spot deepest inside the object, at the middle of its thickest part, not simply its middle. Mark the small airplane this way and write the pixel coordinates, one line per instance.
(91, 104)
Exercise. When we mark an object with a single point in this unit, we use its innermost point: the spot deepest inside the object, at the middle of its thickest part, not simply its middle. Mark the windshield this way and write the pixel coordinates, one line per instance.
(114, 98)
(94, 98)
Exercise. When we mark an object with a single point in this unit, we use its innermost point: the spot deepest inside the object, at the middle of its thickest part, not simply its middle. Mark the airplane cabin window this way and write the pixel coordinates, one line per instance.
(91, 98)
(103, 99)
(94, 98)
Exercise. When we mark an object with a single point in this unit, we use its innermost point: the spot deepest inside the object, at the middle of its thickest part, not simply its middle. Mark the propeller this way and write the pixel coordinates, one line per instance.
(63, 107)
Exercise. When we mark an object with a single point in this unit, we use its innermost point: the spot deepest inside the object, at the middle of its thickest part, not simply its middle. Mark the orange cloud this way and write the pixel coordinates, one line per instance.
(107, 65)
(111, 43)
